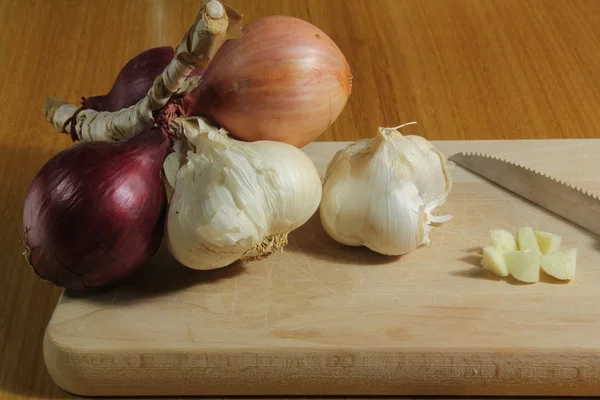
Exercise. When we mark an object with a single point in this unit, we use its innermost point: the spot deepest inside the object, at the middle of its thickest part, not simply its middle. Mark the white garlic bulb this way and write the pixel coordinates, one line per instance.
(235, 200)
(381, 192)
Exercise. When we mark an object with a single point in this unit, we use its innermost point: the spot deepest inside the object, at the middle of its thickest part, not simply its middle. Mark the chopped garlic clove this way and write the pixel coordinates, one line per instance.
(523, 265)
(493, 261)
(548, 242)
(502, 240)
(560, 264)
(526, 239)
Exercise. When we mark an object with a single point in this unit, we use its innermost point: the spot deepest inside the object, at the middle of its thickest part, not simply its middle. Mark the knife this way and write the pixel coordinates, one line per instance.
(565, 200)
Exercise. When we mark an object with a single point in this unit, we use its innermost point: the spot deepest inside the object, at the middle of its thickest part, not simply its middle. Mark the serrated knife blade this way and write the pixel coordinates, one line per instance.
(563, 199)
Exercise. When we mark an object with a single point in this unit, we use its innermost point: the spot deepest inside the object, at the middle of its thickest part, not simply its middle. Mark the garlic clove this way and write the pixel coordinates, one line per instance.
(560, 264)
(388, 221)
(493, 261)
(435, 181)
(172, 164)
(523, 265)
(527, 240)
(502, 240)
(548, 242)
(381, 192)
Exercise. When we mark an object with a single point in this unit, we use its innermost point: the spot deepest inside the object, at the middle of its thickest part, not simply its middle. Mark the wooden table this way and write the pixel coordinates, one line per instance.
(464, 69)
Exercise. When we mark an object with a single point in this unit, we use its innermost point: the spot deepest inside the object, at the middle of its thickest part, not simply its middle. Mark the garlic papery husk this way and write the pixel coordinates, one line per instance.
(236, 200)
(381, 192)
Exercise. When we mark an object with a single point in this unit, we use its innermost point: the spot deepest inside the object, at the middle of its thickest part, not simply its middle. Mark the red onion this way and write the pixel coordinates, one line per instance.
(283, 80)
(134, 80)
(94, 213)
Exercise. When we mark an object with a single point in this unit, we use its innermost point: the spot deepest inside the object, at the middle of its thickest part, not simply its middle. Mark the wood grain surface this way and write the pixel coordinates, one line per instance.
(464, 69)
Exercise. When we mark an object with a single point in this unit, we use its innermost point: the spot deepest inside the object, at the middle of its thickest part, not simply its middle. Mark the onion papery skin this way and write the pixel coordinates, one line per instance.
(94, 213)
(283, 80)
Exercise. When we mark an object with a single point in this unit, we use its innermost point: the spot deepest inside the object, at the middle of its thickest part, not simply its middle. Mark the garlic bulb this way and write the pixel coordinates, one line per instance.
(235, 200)
(381, 192)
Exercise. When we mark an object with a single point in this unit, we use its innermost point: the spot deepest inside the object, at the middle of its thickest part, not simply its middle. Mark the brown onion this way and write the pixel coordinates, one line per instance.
(283, 80)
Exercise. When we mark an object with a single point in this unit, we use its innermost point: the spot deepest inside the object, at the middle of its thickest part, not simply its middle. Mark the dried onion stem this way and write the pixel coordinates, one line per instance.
(215, 24)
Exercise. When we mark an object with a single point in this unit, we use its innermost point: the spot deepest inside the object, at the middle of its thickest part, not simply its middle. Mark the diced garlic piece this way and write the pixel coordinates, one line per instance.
(493, 261)
(523, 265)
(526, 239)
(502, 240)
(548, 242)
(560, 264)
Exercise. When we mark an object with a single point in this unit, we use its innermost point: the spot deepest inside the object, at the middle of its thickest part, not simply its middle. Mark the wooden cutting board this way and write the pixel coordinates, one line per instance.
(323, 319)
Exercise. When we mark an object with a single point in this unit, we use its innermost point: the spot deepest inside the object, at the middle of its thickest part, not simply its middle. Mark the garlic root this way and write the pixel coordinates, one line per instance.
(196, 49)
(264, 249)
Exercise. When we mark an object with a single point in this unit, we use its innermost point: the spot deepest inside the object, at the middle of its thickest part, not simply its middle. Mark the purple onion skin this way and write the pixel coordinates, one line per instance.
(134, 80)
(94, 213)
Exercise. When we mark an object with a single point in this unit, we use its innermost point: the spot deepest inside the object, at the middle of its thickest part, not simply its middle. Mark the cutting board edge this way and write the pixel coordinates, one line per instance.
(321, 371)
